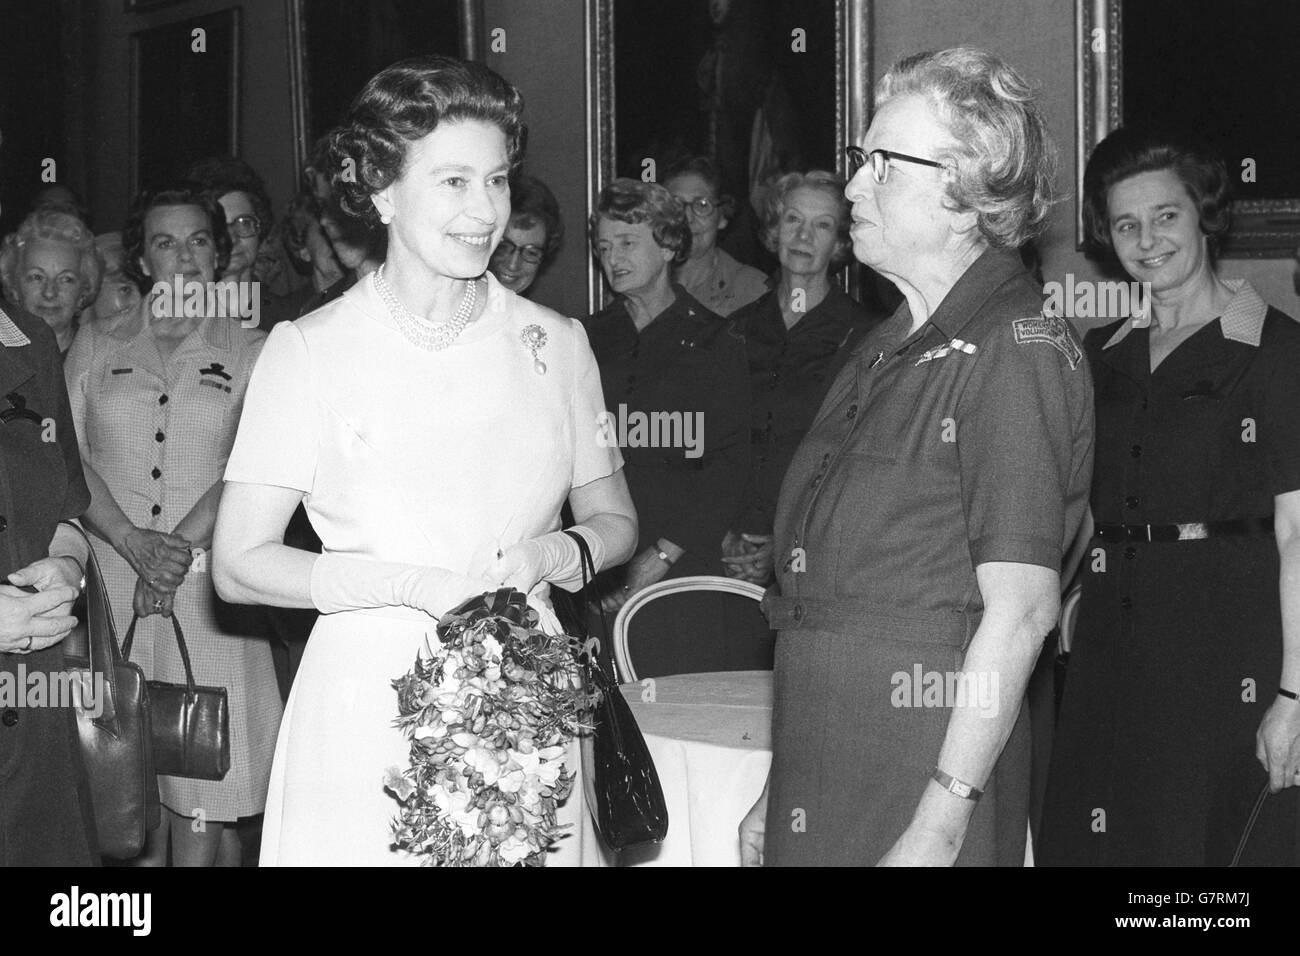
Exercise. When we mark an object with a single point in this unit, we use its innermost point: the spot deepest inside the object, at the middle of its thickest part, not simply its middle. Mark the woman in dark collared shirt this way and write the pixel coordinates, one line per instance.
(1181, 705)
(922, 522)
(661, 353)
(46, 817)
(797, 337)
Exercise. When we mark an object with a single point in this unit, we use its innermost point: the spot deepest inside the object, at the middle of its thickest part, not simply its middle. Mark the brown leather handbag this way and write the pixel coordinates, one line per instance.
(191, 724)
(114, 727)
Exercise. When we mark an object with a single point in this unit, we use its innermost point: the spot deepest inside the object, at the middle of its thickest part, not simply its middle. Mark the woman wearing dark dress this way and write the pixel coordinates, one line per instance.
(1180, 704)
(922, 521)
(797, 335)
(665, 358)
(46, 817)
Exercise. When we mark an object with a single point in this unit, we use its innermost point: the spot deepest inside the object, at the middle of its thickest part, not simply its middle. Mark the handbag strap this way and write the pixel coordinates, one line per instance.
(589, 597)
(1250, 826)
(191, 689)
(102, 654)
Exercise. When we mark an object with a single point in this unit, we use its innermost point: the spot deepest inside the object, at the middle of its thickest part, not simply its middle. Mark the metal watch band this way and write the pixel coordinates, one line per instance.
(957, 787)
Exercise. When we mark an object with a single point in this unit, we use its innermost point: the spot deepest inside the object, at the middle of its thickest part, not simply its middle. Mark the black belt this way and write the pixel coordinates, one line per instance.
(1189, 531)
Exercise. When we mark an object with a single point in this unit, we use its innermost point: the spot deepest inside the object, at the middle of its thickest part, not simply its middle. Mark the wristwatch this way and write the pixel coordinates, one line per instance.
(957, 787)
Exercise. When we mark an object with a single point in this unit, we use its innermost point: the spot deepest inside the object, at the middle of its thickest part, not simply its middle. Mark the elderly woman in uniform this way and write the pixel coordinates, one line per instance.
(156, 397)
(1181, 703)
(51, 268)
(921, 526)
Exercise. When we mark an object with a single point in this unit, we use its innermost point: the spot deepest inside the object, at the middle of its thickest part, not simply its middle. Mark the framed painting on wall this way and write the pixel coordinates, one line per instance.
(184, 76)
(762, 87)
(335, 46)
(1218, 69)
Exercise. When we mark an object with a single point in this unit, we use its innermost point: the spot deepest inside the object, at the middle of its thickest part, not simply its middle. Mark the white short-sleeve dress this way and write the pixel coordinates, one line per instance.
(430, 458)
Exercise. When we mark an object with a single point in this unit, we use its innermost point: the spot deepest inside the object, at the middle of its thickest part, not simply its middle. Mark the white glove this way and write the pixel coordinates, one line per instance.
(553, 557)
(343, 583)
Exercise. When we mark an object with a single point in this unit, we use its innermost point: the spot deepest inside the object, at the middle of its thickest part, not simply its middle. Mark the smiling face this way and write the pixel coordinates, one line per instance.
(687, 188)
(904, 222)
(1155, 228)
(49, 281)
(243, 250)
(451, 204)
(508, 263)
(633, 262)
(178, 241)
(807, 231)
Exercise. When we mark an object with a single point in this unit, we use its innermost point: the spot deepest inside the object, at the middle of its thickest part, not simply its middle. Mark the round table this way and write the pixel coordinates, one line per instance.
(711, 739)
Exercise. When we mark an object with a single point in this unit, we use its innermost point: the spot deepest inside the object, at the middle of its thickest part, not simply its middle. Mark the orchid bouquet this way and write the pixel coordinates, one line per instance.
(490, 711)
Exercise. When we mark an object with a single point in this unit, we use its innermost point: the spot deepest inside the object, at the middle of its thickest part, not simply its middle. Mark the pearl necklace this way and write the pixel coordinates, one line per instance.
(430, 336)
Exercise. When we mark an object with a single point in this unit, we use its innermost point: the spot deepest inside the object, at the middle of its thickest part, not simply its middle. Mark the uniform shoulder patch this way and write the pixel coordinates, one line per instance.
(1051, 330)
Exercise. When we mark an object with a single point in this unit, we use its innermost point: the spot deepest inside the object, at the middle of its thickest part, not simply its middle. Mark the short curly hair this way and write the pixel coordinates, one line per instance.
(1129, 151)
(220, 175)
(632, 201)
(1004, 159)
(183, 193)
(404, 103)
(533, 203)
(777, 190)
(53, 225)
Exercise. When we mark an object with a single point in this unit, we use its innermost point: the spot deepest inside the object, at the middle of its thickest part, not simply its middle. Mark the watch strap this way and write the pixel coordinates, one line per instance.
(957, 787)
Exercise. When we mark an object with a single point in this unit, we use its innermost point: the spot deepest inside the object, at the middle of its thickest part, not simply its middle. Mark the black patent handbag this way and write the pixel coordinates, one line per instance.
(619, 777)
(191, 723)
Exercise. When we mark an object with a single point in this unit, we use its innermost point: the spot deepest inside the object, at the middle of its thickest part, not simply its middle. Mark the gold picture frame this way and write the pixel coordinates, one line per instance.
(1261, 228)
(853, 82)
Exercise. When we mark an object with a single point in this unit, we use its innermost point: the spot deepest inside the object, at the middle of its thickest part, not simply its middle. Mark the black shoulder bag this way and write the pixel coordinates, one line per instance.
(619, 776)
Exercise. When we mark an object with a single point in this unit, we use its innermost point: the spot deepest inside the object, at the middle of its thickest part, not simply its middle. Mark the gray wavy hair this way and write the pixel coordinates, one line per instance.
(55, 226)
(1005, 160)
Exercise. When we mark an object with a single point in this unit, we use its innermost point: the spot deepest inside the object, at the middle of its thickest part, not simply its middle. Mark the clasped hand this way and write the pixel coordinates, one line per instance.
(162, 560)
(748, 557)
(34, 621)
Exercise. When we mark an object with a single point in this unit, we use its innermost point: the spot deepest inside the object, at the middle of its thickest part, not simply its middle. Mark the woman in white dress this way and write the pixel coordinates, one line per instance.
(434, 424)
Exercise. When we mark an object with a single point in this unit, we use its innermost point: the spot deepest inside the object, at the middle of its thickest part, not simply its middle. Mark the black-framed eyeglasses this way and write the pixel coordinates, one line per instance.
(880, 160)
(530, 254)
(702, 207)
(244, 227)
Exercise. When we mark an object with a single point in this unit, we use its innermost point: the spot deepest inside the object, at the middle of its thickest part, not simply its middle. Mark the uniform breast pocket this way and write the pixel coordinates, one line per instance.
(207, 411)
(214, 398)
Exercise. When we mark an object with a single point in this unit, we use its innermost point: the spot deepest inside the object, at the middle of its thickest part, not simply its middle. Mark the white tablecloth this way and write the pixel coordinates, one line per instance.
(711, 739)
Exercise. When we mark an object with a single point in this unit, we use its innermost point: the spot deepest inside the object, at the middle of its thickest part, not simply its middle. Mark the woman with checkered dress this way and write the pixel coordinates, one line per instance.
(156, 396)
